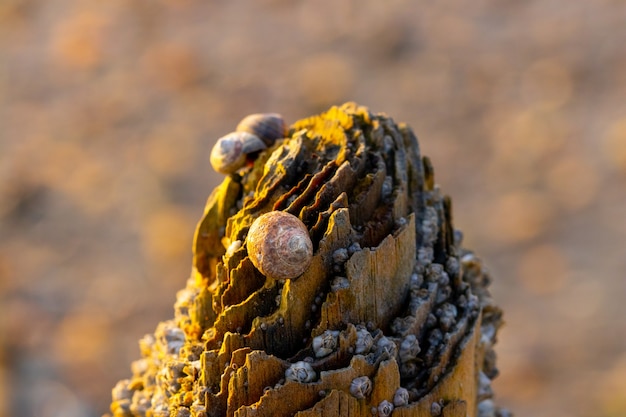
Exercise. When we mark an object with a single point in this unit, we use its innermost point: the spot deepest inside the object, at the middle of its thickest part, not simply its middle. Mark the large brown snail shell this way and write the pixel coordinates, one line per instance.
(279, 245)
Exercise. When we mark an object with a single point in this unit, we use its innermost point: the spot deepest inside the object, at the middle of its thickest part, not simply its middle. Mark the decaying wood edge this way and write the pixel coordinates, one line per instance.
(368, 198)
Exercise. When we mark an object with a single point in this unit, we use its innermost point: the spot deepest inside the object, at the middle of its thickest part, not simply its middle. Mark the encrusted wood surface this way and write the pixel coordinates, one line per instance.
(390, 293)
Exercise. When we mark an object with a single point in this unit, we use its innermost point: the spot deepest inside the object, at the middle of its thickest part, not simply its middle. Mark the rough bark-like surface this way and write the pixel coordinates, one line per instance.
(390, 287)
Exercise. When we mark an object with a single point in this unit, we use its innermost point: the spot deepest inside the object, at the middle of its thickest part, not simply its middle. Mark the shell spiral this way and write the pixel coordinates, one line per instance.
(279, 245)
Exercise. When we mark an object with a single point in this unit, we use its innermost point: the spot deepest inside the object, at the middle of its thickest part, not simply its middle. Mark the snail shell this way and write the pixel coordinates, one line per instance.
(267, 126)
(279, 245)
(300, 372)
(230, 151)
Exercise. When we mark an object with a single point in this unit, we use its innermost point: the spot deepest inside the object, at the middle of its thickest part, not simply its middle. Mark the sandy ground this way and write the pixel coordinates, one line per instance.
(108, 110)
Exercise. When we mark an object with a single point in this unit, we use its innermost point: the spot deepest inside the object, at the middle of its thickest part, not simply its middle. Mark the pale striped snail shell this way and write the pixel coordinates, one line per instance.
(230, 152)
(267, 126)
(279, 245)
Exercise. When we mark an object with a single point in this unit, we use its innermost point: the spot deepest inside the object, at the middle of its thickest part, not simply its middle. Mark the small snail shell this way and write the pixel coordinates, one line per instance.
(385, 408)
(361, 387)
(401, 397)
(230, 151)
(326, 343)
(300, 372)
(267, 126)
(279, 245)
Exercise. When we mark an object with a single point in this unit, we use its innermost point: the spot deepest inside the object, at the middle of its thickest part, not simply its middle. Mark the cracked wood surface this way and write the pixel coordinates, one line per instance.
(387, 265)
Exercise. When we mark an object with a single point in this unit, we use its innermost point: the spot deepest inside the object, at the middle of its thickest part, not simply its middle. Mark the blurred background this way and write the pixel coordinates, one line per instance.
(108, 110)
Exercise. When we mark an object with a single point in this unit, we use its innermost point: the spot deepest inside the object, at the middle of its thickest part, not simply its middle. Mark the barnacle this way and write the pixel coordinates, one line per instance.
(300, 371)
(361, 387)
(385, 408)
(326, 343)
(409, 348)
(389, 307)
(386, 346)
(364, 341)
(401, 397)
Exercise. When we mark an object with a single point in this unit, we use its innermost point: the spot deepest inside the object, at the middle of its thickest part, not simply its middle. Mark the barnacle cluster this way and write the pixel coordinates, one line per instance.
(391, 315)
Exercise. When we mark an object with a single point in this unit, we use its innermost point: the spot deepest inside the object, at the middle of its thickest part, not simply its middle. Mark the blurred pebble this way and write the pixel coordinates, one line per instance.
(613, 389)
(582, 300)
(573, 182)
(171, 66)
(518, 216)
(48, 398)
(543, 270)
(325, 79)
(77, 41)
(166, 233)
(614, 145)
(170, 150)
(547, 84)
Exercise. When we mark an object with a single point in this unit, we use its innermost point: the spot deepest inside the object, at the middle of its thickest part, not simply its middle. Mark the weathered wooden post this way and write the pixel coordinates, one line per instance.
(389, 314)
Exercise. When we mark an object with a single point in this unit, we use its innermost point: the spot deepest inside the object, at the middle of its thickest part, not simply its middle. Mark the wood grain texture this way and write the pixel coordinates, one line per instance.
(386, 267)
